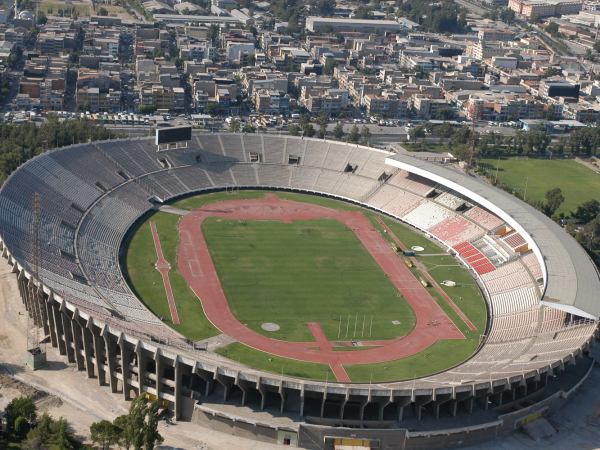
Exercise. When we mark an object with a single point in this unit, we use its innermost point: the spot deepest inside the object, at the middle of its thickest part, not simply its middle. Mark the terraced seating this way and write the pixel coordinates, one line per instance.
(304, 177)
(449, 200)
(315, 153)
(232, 146)
(427, 215)
(475, 258)
(507, 277)
(523, 335)
(484, 218)
(515, 325)
(245, 174)
(454, 230)
(194, 178)
(273, 175)
(514, 240)
(533, 265)
(412, 183)
(394, 200)
(515, 300)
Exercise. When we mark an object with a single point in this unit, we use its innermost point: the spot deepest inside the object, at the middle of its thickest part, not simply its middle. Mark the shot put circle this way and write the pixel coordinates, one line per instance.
(270, 326)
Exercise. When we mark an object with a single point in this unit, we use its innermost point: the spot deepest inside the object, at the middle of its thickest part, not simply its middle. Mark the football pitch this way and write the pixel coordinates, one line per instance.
(289, 274)
(532, 178)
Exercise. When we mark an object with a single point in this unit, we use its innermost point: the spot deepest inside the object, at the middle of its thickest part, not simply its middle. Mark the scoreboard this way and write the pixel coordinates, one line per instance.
(173, 135)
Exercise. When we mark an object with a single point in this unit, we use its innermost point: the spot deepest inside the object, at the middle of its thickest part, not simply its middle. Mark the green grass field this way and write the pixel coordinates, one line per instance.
(306, 271)
(275, 364)
(578, 183)
(147, 281)
(295, 273)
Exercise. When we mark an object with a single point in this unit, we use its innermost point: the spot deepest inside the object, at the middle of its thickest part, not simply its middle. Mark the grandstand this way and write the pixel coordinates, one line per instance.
(539, 285)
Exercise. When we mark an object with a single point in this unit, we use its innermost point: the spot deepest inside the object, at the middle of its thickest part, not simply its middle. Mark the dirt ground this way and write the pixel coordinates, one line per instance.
(61, 390)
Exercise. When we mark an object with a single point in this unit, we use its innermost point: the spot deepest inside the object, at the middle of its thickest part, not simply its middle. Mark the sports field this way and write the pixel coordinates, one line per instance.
(271, 271)
(534, 177)
(303, 275)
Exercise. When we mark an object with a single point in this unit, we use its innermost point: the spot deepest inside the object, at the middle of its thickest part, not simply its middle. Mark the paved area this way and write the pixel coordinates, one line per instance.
(196, 265)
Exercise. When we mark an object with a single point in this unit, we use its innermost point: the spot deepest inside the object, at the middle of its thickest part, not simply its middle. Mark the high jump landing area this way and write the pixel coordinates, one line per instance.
(197, 267)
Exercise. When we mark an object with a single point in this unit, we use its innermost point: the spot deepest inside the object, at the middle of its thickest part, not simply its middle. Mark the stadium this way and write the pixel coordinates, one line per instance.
(74, 250)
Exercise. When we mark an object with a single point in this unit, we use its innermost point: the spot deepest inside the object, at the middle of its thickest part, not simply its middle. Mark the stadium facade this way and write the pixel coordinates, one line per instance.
(540, 287)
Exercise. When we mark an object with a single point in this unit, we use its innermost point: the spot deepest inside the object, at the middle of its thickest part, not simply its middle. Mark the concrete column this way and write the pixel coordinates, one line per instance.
(262, 392)
(159, 372)
(125, 371)
(323, 402)
(60, 336)
(51, 324)
(178, 395)
(67, 335)
(141, 366)
(88, 351)
(42, 308)
(343, 404)
(282, 395)
(454, 408)
(22, 284)
(99, 351)
(110, 346)
(77, 340)
(301, 411)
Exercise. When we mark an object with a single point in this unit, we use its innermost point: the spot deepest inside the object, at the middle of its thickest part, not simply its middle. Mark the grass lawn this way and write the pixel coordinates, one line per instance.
(410, 237)
(578, 183)
(466, 294)
(440, 356)
(147, 281)
(306, 271)
(52, 7)
(271, 363)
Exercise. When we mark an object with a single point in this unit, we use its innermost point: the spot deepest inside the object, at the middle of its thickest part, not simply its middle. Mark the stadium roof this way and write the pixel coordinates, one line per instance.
(571, 278)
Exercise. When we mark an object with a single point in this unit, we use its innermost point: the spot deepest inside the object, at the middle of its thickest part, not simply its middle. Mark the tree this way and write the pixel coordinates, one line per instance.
(365, 134)
(308, 130)
(552, 28)
(41, 435)
(324, 7)
(354, 135)
(151, 434)
(554, 198)
(248, 129)
(103, 11)
(338, 130)
(105, 434)
(22, 407)
(137, 421)
(363, 12)
(62, 438)
(234, 126)
(294, 129)
(125, 431)
(147, 109)
(213, 32)
(507, 16)
(587, 211)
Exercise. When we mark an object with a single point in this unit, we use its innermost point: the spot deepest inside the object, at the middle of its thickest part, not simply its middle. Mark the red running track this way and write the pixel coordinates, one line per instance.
(197, 267)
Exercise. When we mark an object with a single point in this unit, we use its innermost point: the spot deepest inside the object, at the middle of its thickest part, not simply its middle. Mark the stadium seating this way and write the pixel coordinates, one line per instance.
(92, 194)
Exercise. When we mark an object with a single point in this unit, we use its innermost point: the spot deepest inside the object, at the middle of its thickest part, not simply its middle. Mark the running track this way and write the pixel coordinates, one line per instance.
(196, 266)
